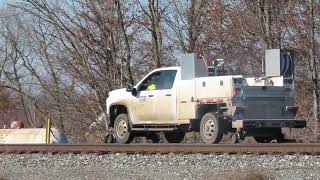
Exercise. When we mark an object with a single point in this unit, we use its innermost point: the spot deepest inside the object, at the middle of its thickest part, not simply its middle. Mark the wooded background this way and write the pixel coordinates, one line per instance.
(62, 57)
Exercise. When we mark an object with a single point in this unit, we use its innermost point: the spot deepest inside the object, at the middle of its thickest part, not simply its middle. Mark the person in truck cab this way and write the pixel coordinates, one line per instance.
(152, 84)
(152, 87)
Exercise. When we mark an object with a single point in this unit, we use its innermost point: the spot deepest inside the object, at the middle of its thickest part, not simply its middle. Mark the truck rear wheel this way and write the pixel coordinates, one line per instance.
(211, 129)
(122, 131)
(175, 136)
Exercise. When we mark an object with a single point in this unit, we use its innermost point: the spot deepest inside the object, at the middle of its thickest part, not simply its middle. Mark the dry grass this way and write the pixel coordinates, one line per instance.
(92, 138)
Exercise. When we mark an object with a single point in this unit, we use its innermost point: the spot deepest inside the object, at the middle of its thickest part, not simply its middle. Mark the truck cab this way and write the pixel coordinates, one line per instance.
(154, 106)
(147, 109)
(175, 100)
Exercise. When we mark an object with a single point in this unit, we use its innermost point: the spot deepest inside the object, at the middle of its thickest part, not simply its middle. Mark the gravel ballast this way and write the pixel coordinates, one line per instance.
(170, 166)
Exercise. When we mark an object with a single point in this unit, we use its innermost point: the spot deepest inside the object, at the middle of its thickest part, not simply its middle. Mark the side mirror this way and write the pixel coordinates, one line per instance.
(129, 85)
(134, 92)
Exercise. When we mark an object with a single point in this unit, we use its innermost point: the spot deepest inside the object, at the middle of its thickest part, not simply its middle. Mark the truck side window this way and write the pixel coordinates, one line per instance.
(167, 78)
(152, 79)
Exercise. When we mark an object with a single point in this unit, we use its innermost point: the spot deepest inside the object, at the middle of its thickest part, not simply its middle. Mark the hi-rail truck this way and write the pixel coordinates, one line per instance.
(207, 99)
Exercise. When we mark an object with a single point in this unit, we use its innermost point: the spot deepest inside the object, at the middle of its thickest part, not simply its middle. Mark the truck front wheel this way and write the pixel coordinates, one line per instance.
(211, 129)
(122, 131)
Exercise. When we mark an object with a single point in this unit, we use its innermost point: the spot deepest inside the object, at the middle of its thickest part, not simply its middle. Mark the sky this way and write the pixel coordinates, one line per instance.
(4, 2)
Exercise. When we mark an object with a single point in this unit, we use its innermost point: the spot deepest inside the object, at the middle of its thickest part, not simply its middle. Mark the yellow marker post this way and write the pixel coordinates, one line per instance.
(48, 129)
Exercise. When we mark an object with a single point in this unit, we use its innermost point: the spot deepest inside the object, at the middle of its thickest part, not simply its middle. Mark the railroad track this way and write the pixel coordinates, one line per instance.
(273, 148)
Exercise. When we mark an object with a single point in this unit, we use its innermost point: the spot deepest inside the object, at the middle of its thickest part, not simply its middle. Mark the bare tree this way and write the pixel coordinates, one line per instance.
(63, 57)
(152, 21)
(186, 23)
(123, 30)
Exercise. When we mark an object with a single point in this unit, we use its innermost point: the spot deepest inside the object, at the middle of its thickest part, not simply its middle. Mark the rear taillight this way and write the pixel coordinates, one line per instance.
(236, 91)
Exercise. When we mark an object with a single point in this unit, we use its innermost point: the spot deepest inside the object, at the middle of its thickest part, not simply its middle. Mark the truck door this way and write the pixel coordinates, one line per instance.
(145, 102)
(166, 101)
(186, 100)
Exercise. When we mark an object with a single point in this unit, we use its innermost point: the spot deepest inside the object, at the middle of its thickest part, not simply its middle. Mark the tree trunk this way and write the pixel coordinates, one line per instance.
(314, 71)
(127, 45)
(156, 32)
(192, 27)
(263, 10)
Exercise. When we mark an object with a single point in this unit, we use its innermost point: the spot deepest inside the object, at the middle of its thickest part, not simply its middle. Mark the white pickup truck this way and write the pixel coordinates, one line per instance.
(192, 98)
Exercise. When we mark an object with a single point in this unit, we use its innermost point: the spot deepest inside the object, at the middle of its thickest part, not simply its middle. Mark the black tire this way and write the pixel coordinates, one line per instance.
(211, 130)
(280, 138)
(234, 138)
(263, 139)
(122, 130)
(175, 136)
(276, 134)
(154, 137)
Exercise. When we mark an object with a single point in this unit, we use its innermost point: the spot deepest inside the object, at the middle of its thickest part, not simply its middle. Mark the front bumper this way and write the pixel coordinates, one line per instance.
(268, 123)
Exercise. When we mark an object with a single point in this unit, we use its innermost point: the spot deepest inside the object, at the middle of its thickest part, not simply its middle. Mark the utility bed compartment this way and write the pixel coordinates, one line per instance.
(264, 102)
(265, 106)
(266, 91)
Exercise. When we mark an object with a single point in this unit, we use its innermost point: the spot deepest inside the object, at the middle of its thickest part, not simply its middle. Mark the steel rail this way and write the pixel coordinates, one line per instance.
(273, 148)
